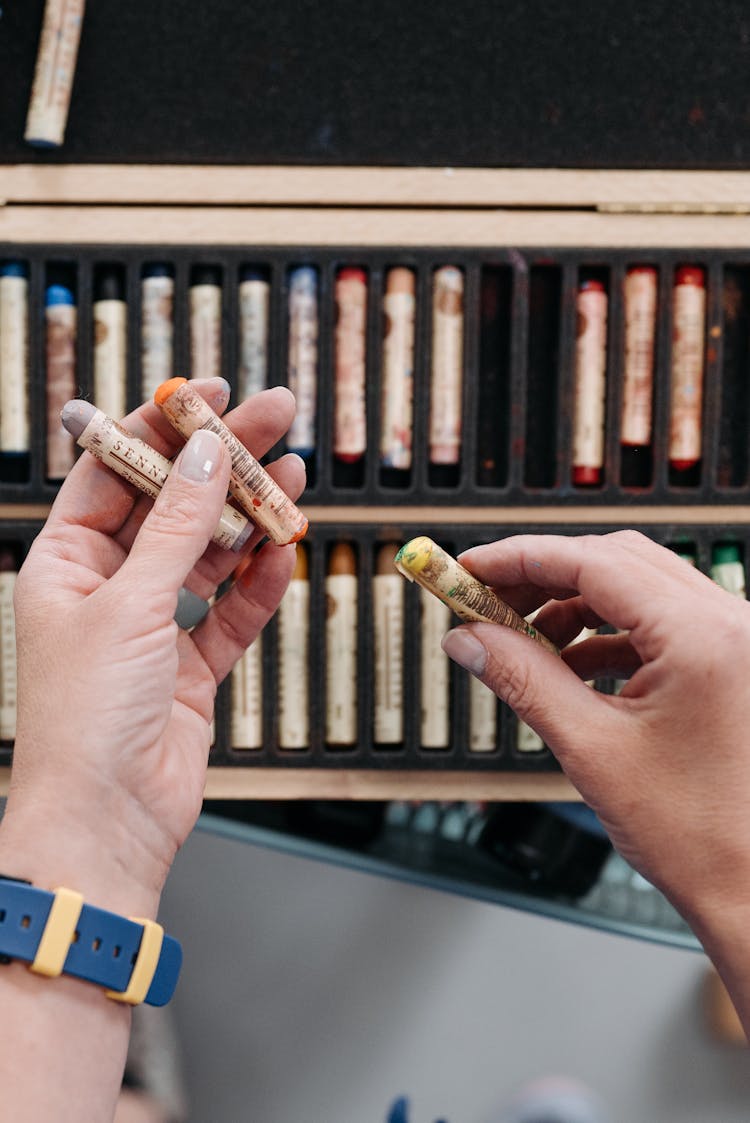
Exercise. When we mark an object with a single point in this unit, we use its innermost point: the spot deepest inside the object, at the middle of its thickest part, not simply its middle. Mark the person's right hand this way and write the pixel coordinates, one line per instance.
(666, 763)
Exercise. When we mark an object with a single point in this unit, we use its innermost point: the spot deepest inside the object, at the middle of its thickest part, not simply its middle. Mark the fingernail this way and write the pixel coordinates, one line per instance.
(190, 609)
(466, 650)
(218, 400)
(200, 457)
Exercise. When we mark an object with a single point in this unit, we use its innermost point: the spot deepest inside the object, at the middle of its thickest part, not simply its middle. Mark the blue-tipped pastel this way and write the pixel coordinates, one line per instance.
(14, 269)
(303, 358)
(59, 294)
(303, 277)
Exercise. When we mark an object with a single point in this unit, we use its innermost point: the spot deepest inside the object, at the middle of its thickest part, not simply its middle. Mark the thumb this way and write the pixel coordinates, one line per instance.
(541, 689)
(178, 528)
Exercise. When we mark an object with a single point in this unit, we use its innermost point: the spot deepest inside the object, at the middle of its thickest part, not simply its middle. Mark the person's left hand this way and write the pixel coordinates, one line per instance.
(115, 702)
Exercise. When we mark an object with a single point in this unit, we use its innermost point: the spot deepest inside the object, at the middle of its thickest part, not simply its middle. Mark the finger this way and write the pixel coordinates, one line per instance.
(603, 657)
(659, 558)
(665, 559)
(96, 496)
(526, 597)
(529, 599)
(541, 689)
(178, 527)
(259, 427)
(563, 621)
(496, 564)
(243, 611)
(617, 580)
(217, 564)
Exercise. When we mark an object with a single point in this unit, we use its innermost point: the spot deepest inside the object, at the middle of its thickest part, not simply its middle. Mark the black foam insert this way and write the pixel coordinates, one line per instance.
(593, 84)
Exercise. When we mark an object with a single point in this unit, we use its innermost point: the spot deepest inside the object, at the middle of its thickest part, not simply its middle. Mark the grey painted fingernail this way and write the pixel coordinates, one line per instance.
(190, 609)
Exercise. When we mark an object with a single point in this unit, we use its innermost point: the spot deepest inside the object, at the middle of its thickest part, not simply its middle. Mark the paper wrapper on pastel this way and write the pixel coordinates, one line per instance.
(258, 494)
(147, 470)
(423, 561)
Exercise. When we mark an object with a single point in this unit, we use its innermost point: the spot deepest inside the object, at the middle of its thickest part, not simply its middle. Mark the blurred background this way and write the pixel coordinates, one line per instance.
(313, 993)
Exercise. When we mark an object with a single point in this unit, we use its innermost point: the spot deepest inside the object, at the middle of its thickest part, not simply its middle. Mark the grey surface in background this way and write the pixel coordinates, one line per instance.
(314, 994)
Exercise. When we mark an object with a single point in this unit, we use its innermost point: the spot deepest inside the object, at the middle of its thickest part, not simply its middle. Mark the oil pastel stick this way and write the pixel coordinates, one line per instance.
(302, 363)
(8, 684)
(349, 418)
(640, 298)
(205, 322)
(482, 717)
(585, 633)
(54, 73)
(61, 319)
(397, 394)
(446, 384)
(388, 627)
(157, 327)
(140, 464)
(727, 569)
(434, 679)
(527, 739)
(14, 371)
(254, 297)
(341, 586)
(294, 659)
(423, 561)
(687, 368)
(246, 730)
(257, 493)
(590, 382)
(110, 342)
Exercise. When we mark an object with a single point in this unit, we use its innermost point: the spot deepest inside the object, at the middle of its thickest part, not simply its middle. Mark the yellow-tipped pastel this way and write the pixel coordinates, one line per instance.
(423, 561)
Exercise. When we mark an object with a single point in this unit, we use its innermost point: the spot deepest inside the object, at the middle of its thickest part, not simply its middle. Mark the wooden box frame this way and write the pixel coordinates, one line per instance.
(281, 206)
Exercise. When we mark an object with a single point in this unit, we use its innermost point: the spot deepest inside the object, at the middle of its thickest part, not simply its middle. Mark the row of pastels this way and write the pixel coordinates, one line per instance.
(351, 670)
(424, 380)
(386, 656)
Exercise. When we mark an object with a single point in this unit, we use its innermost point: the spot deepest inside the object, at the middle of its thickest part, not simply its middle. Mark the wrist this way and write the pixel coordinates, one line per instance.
(725, 937)
(53, 851)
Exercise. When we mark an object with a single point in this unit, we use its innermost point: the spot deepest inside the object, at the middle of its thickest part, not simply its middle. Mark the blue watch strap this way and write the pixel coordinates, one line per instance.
(104, 948)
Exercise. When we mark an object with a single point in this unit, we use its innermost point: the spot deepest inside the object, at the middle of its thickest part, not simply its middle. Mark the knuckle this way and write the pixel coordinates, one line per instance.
(232, 631)
(173, 513)
(630, 539)
(515, 684)
(591, 542)
(734, 629)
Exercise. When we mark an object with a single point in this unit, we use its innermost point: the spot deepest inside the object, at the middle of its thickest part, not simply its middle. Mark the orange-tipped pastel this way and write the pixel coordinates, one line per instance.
(258, 494)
